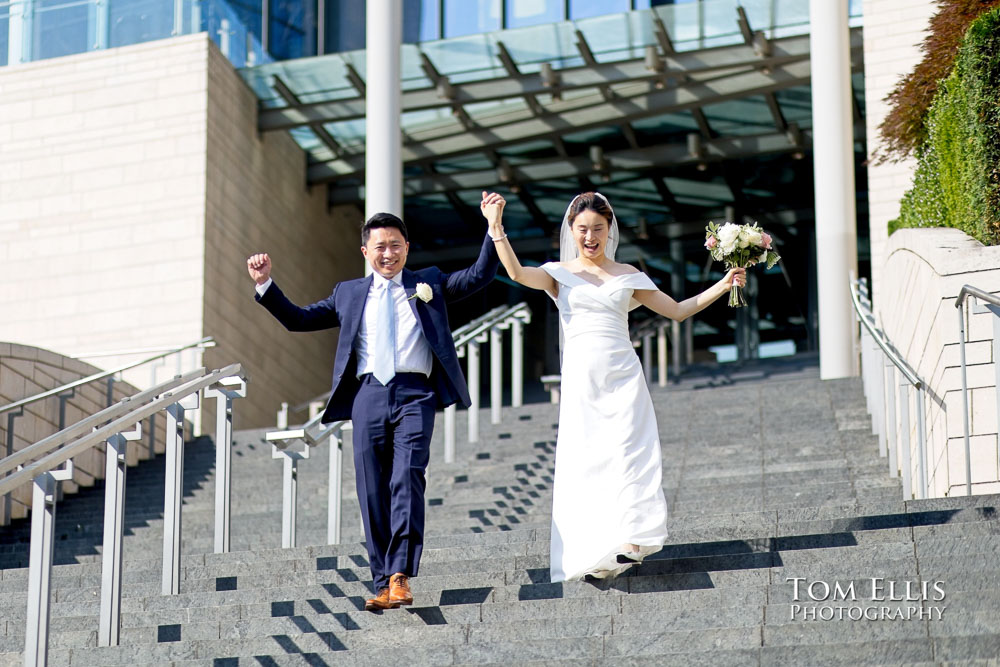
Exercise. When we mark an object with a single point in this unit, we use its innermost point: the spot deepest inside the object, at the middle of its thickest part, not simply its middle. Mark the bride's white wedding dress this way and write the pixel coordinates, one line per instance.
(608, 481)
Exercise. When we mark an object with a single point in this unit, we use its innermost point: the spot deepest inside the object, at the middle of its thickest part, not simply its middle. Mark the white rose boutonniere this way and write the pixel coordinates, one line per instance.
(423, 293)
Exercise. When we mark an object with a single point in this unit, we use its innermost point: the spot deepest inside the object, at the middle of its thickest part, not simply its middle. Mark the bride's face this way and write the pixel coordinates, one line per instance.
(590, 231)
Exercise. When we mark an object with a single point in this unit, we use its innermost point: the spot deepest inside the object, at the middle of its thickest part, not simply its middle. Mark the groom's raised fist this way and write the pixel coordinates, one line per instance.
(259, 267)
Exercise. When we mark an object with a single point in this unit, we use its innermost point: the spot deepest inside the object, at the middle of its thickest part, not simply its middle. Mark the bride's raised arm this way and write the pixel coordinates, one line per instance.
(529, 276)
(662, 304)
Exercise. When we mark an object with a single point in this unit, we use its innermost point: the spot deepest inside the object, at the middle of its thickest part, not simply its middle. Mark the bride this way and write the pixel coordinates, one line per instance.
(608, 508)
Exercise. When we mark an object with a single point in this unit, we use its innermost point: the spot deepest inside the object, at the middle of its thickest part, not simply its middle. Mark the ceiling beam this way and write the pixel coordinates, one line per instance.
(591, 112)
(631, 160)
(516, 84)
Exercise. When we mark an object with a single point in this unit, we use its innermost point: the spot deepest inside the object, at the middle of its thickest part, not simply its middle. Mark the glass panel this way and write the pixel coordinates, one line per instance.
(469, 58)
(249, 13)
(553, 43)
(292, 28)
(749, 115)
(421, 20)
(532, 12)
(4, 30)
(467, 17)
(136, 21)
(60, 28)
(345, 25)
(581, 9)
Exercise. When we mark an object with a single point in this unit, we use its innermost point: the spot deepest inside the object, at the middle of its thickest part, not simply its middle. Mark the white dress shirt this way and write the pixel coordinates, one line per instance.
(413, 353)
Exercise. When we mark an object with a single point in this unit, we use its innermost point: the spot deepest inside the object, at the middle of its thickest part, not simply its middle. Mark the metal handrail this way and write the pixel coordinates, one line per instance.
(459, 332)
(880, 339)
(963, 294)
(969, 290)
(119, 424)
(488, 321)
(47, 445)
(101, 375)
(136, 350)
(313, 433)
(115, 426)
(882, 399)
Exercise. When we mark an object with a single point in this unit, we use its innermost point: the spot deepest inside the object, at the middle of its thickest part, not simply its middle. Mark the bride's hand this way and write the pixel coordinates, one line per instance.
(492, 209)
(736, 277)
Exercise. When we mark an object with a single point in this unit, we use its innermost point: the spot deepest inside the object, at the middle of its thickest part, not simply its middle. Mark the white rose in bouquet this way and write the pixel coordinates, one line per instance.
(729, 234)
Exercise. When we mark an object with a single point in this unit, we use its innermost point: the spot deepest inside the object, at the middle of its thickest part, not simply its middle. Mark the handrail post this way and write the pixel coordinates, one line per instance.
(647, 356)
(890, 418)
(878, 419)
(289, 491)
(922, 437)
(43, 520)
(516, 362)
(6, 499)
(906, 465)
(334, 487)
(965, 401)
(63, 398)
(223, 393)
(661, 354)
(496, 374)
(449, 433)
(675, 333)
(174, 494)
(472, 361)
(111, 559)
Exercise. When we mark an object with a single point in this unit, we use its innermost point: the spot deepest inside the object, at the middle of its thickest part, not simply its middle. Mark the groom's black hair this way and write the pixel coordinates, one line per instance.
(379, 221)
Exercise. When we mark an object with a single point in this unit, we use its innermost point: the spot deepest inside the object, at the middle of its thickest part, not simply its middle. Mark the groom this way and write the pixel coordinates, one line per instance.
(395, 364)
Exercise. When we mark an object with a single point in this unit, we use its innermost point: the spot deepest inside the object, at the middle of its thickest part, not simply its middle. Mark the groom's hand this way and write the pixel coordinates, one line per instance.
(492, 208)
(259, 267)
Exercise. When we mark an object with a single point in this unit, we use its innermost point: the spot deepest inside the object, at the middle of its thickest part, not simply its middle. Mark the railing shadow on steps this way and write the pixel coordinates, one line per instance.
(50, 460)
(887, 381)
(688, 566)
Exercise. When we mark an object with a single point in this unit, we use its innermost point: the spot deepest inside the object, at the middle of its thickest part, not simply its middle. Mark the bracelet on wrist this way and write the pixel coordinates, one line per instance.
(499, 238)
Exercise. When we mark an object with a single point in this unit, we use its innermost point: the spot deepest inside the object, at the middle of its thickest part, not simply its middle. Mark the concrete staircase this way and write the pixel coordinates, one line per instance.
(772, 479)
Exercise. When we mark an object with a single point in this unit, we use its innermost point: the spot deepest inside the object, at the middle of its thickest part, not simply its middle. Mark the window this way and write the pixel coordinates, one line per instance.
(469, 17)
(518, 13)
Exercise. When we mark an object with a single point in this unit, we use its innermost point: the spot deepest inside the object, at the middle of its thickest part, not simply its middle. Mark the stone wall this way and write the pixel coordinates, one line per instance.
(924, 271)
(893, 32)
(133, 184)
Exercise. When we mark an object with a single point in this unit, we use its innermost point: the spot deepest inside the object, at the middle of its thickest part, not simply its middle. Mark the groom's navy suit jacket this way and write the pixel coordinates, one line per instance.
(346, 306)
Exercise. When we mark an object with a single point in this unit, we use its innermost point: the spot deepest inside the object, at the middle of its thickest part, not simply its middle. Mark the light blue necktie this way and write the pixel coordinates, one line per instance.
(385, 337)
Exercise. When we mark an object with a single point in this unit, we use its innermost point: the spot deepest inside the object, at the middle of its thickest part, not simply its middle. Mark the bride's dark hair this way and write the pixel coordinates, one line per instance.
(590, 201)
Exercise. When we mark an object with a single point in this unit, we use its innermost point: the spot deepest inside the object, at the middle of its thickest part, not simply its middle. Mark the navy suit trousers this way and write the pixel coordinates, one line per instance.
(392, 434)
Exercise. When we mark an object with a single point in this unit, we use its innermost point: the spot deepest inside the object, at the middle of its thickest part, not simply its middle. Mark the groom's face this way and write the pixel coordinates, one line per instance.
(386, 251)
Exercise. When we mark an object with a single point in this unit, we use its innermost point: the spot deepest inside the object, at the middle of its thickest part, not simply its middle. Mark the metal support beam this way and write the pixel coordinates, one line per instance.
(115, 467)
(383, 164)
(449, 433)
(833, 173)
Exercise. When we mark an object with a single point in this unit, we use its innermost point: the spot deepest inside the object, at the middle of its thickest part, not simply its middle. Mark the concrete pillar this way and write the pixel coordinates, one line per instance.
(383, 136)
(833, 173)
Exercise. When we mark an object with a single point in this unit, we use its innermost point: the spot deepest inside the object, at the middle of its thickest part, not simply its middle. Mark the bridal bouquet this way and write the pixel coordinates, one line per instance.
(740, 247)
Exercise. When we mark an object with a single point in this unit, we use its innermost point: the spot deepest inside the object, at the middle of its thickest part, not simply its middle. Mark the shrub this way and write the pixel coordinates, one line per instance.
(904, 129)
(957, 181)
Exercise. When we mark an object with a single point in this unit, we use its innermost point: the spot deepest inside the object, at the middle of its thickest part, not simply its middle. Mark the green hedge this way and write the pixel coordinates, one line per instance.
(957, 181)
